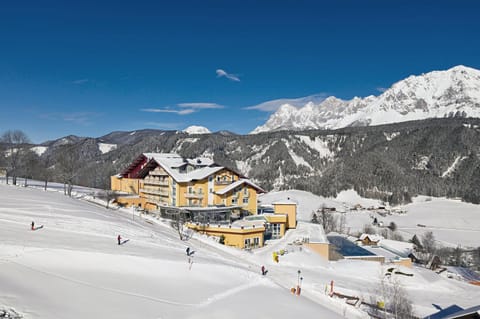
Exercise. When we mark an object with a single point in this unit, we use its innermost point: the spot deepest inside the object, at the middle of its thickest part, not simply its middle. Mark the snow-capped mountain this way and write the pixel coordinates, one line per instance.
(196, 130)
(454, 92)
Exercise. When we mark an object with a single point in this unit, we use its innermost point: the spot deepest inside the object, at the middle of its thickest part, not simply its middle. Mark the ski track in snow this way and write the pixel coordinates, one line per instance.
(118, 291)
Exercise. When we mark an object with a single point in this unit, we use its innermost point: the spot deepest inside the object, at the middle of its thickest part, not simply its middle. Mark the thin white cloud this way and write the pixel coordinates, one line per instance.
(179, 112)
(159, 110)
(273, 105)
(223, 73)
(381, 89)
(186, 111)
(80, 81)
(185, 108)
(201, 105)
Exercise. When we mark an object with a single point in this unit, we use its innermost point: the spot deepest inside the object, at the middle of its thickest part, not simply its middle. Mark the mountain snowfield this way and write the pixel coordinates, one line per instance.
(194, 129)
(73, 267)
(454, 92)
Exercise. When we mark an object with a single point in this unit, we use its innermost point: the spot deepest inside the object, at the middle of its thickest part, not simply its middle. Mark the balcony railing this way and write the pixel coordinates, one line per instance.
(223, 182)
(157, 202)
(155, 182)
(158, 173)
(154, 191)
(194, 195)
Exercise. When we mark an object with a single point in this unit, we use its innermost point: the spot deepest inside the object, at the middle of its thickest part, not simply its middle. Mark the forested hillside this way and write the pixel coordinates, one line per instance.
(437, 157)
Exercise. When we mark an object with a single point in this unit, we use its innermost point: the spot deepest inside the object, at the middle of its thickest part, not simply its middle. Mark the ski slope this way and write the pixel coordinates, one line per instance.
(73, 268)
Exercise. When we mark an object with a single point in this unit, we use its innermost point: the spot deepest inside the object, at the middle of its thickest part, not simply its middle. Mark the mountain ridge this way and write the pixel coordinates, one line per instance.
(453, 92)
(392, 162)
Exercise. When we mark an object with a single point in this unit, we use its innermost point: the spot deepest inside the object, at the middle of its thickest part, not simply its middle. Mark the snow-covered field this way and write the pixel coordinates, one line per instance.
(73, 268)
(452, 222)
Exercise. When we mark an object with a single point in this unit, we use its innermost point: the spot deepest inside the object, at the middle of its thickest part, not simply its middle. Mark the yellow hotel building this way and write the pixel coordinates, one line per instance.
(209, 193)
(160, 180)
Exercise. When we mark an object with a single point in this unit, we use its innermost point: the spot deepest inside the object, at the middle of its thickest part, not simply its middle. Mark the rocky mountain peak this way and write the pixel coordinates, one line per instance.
(430, 95)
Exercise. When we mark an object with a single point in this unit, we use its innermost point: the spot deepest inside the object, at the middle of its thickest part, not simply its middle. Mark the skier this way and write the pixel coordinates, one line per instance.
(188, 251)
(119, 239)
(263, 270)
(33, 225)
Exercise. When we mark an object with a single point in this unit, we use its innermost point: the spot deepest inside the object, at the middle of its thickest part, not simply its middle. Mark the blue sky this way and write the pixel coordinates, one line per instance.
(91, 67)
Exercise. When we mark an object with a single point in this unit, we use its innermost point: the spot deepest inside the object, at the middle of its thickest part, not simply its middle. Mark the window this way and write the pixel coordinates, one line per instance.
(234, 201)
(190, 189)
(233, 178)
(210, 178)
(211, 190)
(200, 191)
(251, 243)
(275, 231)
(247, 243)
(245, 200)
(245, 191)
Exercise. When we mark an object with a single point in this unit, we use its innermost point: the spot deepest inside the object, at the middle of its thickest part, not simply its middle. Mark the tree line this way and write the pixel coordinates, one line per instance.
(19, 159)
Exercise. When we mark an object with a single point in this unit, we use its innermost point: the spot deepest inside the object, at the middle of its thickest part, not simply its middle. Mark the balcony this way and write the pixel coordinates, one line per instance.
(155, 182)
(158, 173)
(224, 182)
(154, 191)
(194, 195)
(157, 202)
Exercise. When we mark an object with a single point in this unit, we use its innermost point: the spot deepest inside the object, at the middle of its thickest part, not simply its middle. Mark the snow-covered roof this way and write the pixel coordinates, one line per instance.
(198, 174)
(248, 223)
(238, 183)
(170, 162)
(314, 232)
(400, 248)
(371, 237)
(379, 251)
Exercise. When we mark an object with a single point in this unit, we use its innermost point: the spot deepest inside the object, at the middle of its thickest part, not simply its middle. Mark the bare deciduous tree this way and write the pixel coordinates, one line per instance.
(177, 222)
(46, 170)
(392, 299)
(15, 142)
(108, 195)
(368, 229)
(68, 166)
(29, 165)
(327, 219)
(428, 243)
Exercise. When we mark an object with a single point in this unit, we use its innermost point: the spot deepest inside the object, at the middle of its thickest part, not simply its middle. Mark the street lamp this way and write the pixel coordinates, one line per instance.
(298, 277)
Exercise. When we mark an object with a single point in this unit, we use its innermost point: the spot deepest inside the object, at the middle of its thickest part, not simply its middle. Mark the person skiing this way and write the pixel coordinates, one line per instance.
(264, 271)
(188, 251)
(33, 225)
(119, 239)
